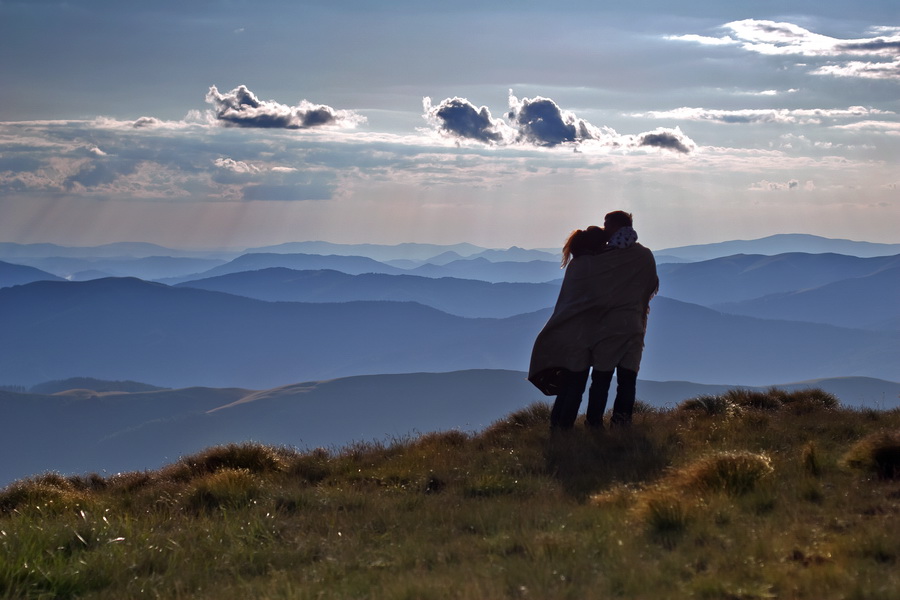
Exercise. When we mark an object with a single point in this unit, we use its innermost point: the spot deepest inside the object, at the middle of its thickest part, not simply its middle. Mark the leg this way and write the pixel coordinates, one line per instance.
(625, 395)
(597, 397)
(565, 408)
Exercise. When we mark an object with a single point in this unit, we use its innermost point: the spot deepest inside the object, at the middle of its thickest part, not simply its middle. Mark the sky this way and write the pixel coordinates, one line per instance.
(233, 124)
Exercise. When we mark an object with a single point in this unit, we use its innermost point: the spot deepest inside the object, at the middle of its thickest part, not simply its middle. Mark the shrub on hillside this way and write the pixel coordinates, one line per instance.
(255, 458)
(753, 399)
(226, 488)
(311, 467)
(50, 490)
(878, 453)
(535, 418)
(810, 398)
(734, 473)
(710, 405)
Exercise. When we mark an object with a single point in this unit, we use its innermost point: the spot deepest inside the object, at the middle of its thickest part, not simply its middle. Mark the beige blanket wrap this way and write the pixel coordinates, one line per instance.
(601, 314)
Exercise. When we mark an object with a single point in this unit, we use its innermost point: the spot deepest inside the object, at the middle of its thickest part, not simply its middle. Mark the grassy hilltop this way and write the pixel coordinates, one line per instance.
(742, 496)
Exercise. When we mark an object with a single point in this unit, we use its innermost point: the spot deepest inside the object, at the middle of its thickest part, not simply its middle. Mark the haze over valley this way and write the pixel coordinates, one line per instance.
(299, 348)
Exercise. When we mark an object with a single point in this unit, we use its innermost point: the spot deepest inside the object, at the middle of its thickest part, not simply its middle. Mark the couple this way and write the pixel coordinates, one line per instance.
(598, 323)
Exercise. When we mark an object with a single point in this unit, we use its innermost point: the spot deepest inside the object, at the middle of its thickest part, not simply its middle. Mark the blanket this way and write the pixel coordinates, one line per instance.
(599, 317)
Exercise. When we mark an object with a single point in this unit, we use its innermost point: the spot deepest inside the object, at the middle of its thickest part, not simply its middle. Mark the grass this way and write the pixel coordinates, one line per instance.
(742, 496)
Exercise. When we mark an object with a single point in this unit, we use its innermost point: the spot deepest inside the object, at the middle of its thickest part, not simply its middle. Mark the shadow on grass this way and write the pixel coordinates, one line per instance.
(586, 461)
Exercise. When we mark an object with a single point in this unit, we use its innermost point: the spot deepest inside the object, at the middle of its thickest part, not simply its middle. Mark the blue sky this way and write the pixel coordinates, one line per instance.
(233, 124)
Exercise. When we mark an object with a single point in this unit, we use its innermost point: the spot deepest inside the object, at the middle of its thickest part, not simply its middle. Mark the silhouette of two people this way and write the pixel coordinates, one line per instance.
(598, 324)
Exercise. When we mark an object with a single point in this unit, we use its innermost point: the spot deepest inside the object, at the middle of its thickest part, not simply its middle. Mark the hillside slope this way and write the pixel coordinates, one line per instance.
(127, 329)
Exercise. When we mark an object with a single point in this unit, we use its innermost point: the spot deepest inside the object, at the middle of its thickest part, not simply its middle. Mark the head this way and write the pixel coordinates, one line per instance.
(584, 241)
(616, 220)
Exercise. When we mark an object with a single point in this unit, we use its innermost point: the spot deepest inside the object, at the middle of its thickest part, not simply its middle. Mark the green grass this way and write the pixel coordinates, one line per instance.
(743, 496)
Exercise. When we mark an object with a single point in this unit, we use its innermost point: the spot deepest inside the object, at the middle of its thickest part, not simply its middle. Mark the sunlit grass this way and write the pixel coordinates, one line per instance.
(776, 496)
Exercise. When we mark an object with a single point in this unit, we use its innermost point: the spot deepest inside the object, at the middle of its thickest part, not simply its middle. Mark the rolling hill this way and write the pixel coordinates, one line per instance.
(82, 431)
(462, 297)
(135, 330)
(14, 274)
(353, 265)
(870, 302)
(745, 277)
(782, 243)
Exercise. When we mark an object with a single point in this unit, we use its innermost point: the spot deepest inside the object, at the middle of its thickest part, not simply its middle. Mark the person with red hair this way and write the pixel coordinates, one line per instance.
(598, 324)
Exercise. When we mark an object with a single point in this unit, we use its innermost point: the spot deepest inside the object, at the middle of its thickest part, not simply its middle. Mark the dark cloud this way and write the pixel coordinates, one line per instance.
(667, 139)
(241, 108)
(540, 121)
(457, 117)
(874, 45)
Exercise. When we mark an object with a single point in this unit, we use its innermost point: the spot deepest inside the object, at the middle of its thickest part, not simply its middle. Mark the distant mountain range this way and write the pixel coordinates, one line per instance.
(150, 267)
(781, 243)
(825, 288)
(393, 339)
(746, 277)
(475, 268)
(464, 261)
(16, 274)
(462, 297)
(131, 329)
(82, 431)
(867, 302)
(380, 252)
(9, 250)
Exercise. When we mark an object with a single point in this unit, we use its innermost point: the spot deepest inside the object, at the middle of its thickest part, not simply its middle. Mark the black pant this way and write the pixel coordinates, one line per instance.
(565, 408)
(623, 407)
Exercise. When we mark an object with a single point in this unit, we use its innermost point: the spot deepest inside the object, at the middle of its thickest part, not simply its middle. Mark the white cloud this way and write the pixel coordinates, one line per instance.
(235, 166)
(863, 70)
(889, 128)
(766, 115)
(871, 57)
(703, 39)
(241, 108)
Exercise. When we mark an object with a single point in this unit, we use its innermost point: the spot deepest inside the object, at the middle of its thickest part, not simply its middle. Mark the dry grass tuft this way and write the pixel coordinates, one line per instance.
(769, 400)
(878, 453)
(312, 467)
(710, 405)
(226, 488)
(501, 432)
(255, 458)
(734, 473)
(50, 490)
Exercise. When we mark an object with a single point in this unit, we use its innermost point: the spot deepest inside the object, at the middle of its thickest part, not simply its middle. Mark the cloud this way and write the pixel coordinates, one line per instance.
(889, 128)
(146, 122)
(777, 186)
(235, 166)
(667, 139)
(457, 117)
(540, 122)
(241, 108)
(878, 54)
(767, 115)
(863, 70)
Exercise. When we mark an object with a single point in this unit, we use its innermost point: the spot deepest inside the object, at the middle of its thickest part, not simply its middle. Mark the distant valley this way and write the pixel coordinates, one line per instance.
(80, 430)
(394, 339)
